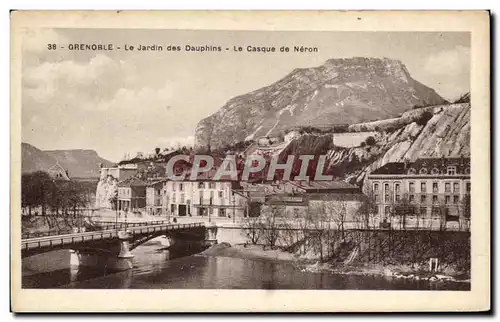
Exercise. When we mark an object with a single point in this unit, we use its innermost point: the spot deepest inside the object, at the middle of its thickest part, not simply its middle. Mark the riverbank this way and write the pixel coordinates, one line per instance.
(252, 252)
(258, 252)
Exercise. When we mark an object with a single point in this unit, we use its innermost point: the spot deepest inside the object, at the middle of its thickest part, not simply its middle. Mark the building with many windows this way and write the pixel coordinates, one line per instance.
(435, 187)
(154, 198)
(203, 197)
(131, 195)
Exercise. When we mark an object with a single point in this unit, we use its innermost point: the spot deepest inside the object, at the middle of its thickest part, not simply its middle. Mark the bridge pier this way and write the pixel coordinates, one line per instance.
(210, 234)
(124, 237)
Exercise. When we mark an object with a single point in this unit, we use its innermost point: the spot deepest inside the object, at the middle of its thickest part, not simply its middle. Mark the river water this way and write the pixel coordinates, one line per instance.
(157, 269)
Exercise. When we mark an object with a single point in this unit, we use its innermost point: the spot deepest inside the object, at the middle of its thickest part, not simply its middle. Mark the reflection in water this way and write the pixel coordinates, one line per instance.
(165, 269)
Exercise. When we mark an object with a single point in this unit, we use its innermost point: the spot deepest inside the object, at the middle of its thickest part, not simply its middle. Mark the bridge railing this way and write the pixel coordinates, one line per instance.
(66, 239)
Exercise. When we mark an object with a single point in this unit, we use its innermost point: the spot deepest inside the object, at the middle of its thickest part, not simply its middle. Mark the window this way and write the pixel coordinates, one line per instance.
(467, 170)
(296, 212)
(173, 198)
(435, 187)
(172, 209)
(423, 171)
(222, 212)
(211, 185)
(211, 211)
(434, 199)
(456, 187)
(435, 171)
(181, 187)
(386, 187)
(423, 199)
(447, 199)
(411, 187)
(173, 186)
(423, 211)
(387, 210)
(396, 187)
(435, 211)
(201, 185)
(398, 198)
(386, 198)
(456, 199)
(375, 187)
(412, 198)
(201, 195)
(376, 198)
(447, 187)
(451, 170)
(221, 194)
(467, 185)
(423, 187)
(211, 197)
(182, 198)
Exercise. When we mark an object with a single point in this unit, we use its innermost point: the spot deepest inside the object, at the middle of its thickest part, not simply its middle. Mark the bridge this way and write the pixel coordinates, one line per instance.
(112, 245)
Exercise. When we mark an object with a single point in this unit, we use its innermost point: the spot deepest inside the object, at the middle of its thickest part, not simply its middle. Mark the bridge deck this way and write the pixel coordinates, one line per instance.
(60, 240)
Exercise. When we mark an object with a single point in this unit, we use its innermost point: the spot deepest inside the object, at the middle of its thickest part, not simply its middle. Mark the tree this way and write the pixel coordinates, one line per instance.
(339, 211)
(37, 189)
(367, 209)
(157, 151)
(272, 217)
(424, 118)
(253, 228)
(370, 141)
(403, 209)
(466, 210)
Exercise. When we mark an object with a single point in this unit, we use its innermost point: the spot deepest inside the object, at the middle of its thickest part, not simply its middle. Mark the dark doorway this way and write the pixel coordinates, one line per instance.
(182, 210)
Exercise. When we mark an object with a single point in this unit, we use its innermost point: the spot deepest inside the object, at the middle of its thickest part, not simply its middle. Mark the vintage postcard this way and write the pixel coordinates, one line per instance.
(250, 161)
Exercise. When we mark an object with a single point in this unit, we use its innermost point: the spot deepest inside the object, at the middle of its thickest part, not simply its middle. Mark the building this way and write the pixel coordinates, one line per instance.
(120, 173)
(434, 187)
(204, 197)
(57, 172)
(131, 194)
(154, 202)
(330, 198)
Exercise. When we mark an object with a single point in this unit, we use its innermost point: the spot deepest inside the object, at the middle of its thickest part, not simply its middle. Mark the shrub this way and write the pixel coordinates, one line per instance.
(363, 144)
(370, 141)
(424, 118)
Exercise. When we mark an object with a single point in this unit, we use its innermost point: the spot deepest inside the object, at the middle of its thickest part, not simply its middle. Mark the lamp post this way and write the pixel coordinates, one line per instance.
(234, 210)
(126, 213)
(116, 215)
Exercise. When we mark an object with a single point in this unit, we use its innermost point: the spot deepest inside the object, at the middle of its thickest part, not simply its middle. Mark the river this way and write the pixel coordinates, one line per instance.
(158, 269)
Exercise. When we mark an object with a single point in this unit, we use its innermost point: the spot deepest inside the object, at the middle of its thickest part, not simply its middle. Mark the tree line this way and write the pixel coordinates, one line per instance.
(41, 195)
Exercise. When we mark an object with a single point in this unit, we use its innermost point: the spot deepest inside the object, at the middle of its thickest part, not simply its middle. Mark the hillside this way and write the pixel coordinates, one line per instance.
(341, 91)
(445, 134)
(80, 163)
(34, 159)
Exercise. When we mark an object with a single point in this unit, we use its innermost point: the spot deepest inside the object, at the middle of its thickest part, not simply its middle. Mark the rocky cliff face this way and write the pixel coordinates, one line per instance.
(106, 190)
(341, 91)
(446, 134)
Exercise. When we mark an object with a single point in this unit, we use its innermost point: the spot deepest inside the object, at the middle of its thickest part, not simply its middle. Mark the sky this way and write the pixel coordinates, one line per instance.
(118, 102)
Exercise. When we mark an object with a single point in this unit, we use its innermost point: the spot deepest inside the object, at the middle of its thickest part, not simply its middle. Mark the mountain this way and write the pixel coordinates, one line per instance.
(79, 163)
(341, 91)
(34, 159)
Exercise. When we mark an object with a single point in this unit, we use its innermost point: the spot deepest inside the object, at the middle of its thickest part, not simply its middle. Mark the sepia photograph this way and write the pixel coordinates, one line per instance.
(217, 159)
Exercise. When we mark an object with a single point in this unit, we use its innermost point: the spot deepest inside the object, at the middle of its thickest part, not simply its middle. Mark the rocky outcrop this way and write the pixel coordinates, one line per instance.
(105, 192)
(341, 91)
(446, 134)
